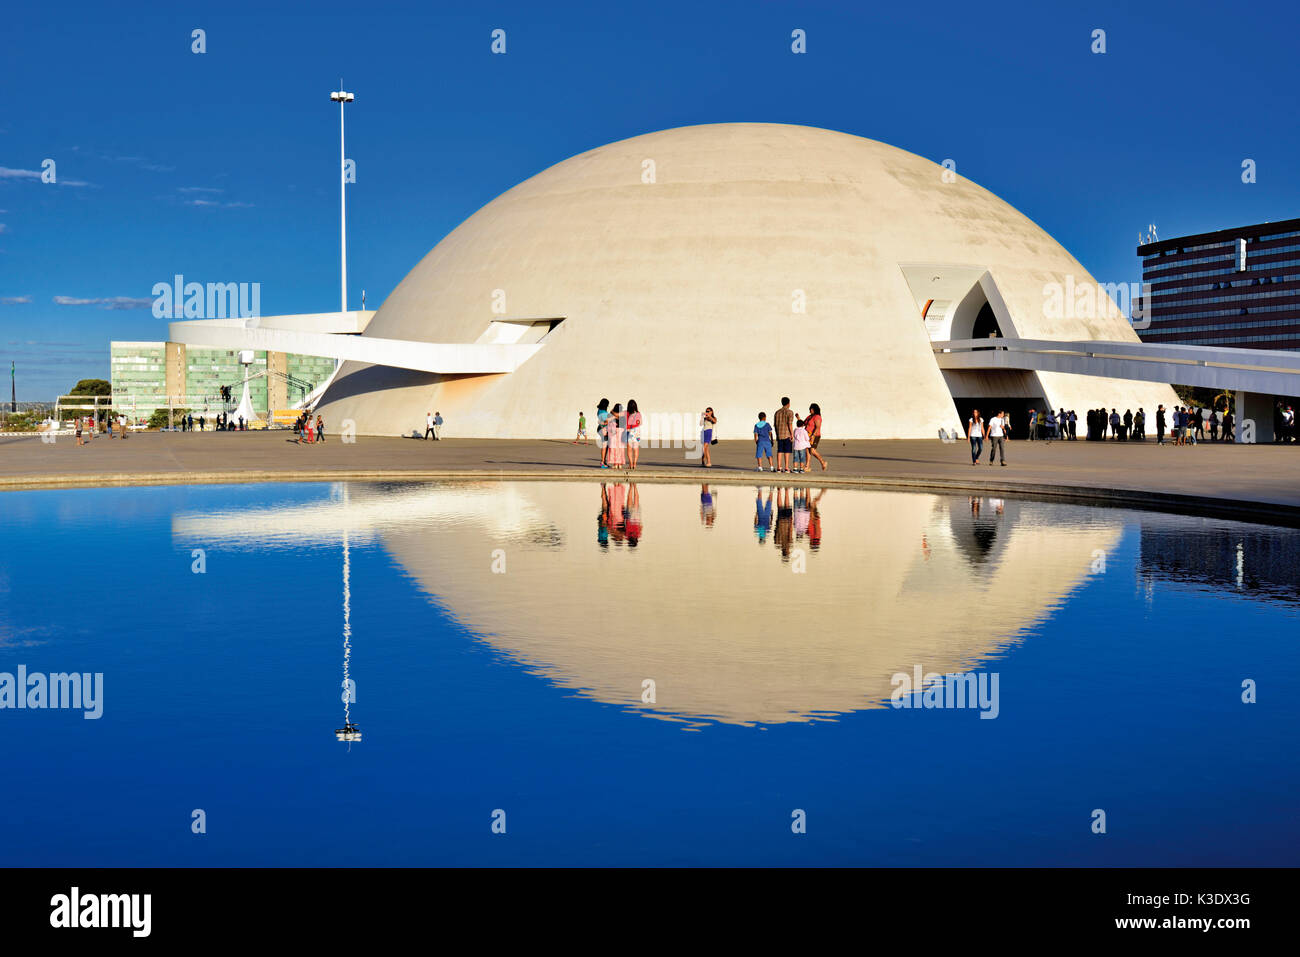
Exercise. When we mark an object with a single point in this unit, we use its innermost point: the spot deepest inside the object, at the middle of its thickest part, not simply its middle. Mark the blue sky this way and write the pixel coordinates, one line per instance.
(223, 166)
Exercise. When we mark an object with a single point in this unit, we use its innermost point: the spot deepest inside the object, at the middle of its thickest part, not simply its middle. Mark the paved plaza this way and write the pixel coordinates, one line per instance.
(1250, 481)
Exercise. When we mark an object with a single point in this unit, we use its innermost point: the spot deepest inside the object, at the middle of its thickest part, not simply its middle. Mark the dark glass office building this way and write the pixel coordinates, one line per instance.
(1235, 287)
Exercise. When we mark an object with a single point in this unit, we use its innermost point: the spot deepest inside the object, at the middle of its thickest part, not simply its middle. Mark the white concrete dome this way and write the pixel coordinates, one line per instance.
(675, 264)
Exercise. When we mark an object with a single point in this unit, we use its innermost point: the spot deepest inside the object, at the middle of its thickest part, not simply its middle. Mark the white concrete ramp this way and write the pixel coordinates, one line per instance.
(470, 358)
(1268, 371)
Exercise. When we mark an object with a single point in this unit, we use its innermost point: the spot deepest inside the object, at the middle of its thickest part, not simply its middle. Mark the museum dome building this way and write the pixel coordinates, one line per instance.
(727, 265)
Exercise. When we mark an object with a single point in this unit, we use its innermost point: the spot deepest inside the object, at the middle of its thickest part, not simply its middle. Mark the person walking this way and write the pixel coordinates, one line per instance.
(437, 426)
(428, 425)
(997, 437)
(1074, 426)
(320, 428)
(1032, 434)
(783, 422)
(1160, 425)
(582, 429)
(633, 433)
(975, 431)
(708, 428)
(814, 426)
(763, 442)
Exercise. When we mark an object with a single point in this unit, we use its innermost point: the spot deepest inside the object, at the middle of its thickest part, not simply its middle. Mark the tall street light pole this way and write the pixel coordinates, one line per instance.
(343, 98)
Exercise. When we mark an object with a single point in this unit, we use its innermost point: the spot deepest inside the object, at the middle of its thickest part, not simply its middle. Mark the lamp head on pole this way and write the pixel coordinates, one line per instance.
(342, 97)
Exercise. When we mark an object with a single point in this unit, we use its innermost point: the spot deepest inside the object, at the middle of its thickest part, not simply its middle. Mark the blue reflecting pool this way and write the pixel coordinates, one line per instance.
(642, 674)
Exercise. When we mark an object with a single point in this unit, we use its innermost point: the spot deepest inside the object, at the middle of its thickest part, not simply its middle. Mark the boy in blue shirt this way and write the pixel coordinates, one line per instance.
(763, 442)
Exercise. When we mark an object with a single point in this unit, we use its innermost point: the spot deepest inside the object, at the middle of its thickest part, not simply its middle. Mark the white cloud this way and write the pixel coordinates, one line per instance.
(35, 174)
(105, 302)
(14, 300)
(216, 204)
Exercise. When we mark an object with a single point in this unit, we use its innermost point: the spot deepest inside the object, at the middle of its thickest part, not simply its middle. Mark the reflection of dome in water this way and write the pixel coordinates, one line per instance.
(723, 626)
(755, 250)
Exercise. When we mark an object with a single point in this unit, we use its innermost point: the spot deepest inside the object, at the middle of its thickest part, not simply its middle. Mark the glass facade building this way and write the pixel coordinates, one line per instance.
(1235, 287)
(145, 374)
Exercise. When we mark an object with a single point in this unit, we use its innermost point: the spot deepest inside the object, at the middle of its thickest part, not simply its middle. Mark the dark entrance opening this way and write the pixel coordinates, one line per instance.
(1016, 408)
(986, 323)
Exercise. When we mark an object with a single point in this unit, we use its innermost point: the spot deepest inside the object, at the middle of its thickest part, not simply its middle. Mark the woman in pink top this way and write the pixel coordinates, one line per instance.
(633, 433)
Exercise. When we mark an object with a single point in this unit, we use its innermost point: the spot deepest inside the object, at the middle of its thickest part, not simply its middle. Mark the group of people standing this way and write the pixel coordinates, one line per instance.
(222, 423)
(1185, 425)
(618, 433)
(796, 438)
(1047, 425)
(1189, 426)
(84, 427)
(1122, 427)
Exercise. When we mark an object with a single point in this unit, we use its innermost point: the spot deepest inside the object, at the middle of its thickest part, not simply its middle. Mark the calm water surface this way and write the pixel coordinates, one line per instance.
(642, 674)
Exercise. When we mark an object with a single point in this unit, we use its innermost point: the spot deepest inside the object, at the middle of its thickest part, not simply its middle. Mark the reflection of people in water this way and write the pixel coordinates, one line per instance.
(984, 530)
(633, 515)
(602, 520)
(784, 538)
(801, 512)
(999, 506)
(762, 514)
(925, 549)
(618, 513)
(708, 507)
(613, 519)
(815, 522)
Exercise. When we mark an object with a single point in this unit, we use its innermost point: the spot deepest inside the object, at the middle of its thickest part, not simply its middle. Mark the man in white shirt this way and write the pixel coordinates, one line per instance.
(998, 437)
(428, 426)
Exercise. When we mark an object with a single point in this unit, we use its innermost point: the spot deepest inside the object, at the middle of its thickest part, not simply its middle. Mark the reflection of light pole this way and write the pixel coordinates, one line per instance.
(343, 98)
(349, 732)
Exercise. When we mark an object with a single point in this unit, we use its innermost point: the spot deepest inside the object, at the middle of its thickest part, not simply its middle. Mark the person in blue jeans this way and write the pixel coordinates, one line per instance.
(975, 430)
(763, 442)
